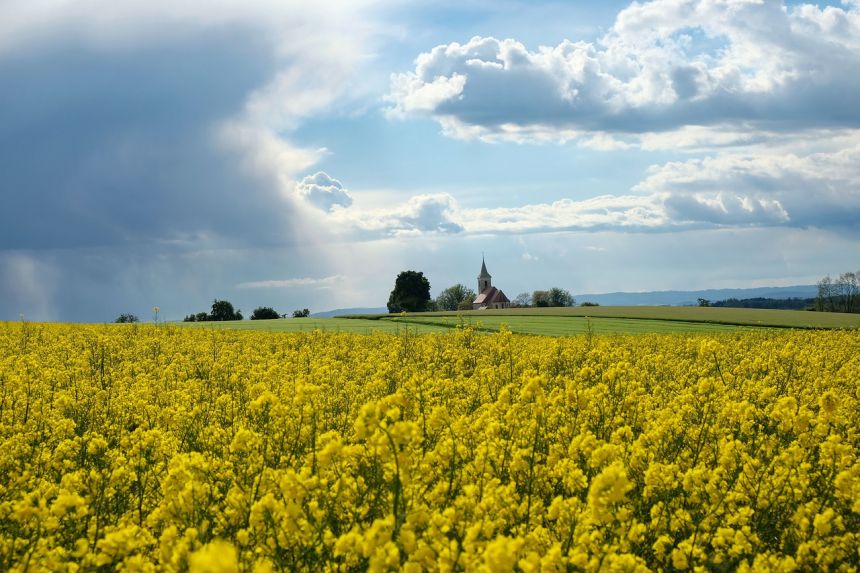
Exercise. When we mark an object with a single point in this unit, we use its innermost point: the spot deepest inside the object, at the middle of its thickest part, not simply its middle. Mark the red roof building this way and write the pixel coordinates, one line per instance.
(489, 296)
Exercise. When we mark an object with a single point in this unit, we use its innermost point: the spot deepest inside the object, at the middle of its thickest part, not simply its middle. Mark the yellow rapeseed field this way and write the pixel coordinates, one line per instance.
(142, 448)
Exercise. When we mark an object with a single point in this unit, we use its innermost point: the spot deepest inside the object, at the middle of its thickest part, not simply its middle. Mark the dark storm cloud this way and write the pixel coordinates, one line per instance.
(144, 152)
(103, 147)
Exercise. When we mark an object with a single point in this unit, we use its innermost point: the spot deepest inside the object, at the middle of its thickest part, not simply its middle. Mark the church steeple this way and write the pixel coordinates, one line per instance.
(484, 279)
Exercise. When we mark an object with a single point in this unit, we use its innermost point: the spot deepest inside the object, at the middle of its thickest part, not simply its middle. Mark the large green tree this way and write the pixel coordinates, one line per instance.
(452, 297)
(560, 297)
(223, 310)
(411, 292)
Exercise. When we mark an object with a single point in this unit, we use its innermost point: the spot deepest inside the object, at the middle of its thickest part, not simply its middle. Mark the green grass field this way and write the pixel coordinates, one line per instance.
(560, 321)
(549, 325)
(360, 326)
(692, 314)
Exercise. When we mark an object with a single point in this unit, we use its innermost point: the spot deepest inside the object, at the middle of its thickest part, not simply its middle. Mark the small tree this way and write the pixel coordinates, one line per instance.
(304, 313)
(190, 318)
(264, 313)
(452, 297)
(841, 294)
(825, 301)
(540, 298)
(560, 297)
(704, 302)
(523, 299)
(848, 290)
(202, 316)
(222, 310)
(411, 293)
(126, 318)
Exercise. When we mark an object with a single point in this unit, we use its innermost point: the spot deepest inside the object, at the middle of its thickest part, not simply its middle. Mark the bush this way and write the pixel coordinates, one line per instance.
(587, 303)
(264, 313)
(127, 318)
(304, 313)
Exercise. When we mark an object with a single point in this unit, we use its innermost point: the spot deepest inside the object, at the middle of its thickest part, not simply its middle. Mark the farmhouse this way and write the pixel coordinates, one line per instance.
(489, 296)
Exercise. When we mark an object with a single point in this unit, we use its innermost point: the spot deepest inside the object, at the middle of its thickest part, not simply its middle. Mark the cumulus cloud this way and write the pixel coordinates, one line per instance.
(428, 213)
(323, 192)
(761, 188)
(659, 211)
(814, 190)
(664, 65)
(441, 214)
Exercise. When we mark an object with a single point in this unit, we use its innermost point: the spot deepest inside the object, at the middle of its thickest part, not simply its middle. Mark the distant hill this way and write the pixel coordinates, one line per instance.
(690, 298)
(342, 311)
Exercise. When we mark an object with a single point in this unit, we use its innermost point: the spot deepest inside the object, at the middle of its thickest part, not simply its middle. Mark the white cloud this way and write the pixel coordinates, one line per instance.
(324, 282)
(664, 65)
(441, 214)
(431, 213)
(323, 192)
(817, 189)
(758, 188)
(625, 212)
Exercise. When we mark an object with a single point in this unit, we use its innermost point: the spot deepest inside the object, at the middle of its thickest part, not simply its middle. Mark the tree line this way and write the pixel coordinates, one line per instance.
(840, 294)
(545, 298)
(222, 310)
(793, 303)
(411, 293)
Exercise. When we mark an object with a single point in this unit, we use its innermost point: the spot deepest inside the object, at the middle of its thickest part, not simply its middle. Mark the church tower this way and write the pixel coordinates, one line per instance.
(484, 279)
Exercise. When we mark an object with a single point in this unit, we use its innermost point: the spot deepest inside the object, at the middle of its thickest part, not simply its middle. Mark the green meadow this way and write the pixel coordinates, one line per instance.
(559, 321)
(689, 314)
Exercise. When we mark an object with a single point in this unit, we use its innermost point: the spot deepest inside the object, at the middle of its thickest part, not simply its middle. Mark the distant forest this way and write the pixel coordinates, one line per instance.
(840, 294)
(760, 302)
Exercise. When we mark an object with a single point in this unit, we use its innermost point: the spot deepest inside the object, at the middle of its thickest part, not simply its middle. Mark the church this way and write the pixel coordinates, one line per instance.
(488, 295)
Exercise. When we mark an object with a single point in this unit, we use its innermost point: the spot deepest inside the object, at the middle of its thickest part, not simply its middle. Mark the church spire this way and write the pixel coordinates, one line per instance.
(484, 274)
(485, 281)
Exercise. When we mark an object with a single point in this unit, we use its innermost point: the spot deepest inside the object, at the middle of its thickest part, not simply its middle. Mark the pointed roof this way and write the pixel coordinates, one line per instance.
(484, 274)
(490, 296)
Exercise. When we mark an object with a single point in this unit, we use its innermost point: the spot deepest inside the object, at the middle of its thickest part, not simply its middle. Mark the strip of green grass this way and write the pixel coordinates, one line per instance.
(311, 324)
(732, 316)
(559, 321)
(565, 325)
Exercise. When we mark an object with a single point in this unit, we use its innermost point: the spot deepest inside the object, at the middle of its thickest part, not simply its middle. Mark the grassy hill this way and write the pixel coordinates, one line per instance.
(690, 314)
(561, 321)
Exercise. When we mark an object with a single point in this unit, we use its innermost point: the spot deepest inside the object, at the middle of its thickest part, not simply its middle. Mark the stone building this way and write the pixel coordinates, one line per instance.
(488, 295)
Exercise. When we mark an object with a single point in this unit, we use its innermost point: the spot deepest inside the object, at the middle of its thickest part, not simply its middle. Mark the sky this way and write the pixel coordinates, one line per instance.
(300, 154)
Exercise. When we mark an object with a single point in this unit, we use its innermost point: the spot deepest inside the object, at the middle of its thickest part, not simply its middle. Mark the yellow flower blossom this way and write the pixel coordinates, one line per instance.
(170, 449)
